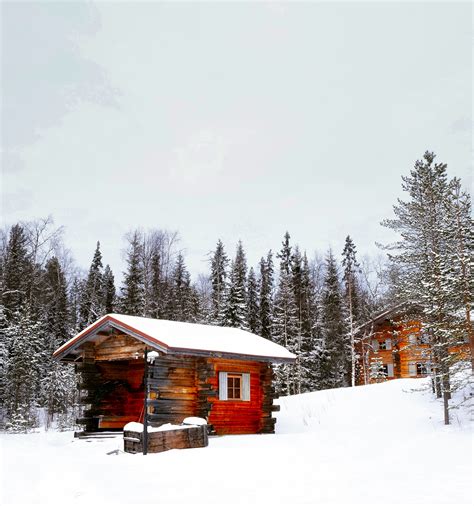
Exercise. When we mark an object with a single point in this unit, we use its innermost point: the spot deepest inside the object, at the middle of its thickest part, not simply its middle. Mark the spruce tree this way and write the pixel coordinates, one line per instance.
(334, 363)
(426, 259)
(285, 323)
(252, 302)
(351, 299)
(266, 297)
(460, 245)
(57, 379)
(4, 354)
(75, 297)
(108, 290)
(92, 300)
(309, 347)
(156, 287)
(181, 303)
(16, 272)
(235, 313)
(22, 373)
(133, 291)
(219, 264)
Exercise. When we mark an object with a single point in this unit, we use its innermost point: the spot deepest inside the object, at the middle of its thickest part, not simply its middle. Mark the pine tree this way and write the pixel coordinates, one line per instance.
(4, 354)
(156, 287)
(285, 323)
(133, 291)
(351, 299)
(219, 264)
(334, 365)
(425, 258)
(235, 313)
(57, 380)
(309, 348)
(55, 305)
(22, 373)
(460, 244)
(266, 297)
(108, 290)
(16, 272)
(75, 298)
(181, 303)
(92, 300)
(252, 302)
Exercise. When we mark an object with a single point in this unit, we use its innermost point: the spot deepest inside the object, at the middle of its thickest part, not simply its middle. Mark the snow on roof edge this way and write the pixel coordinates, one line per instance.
(172, 336)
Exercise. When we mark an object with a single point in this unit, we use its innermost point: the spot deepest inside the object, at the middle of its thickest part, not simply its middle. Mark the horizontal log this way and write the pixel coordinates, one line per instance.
(178, 382)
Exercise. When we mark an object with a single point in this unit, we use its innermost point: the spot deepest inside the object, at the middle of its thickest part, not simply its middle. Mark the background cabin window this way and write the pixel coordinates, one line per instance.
(385, 345)
(234, 386)
(424, 337)
(390, 370)
(421, 369)
(412, 339)
(385, 370)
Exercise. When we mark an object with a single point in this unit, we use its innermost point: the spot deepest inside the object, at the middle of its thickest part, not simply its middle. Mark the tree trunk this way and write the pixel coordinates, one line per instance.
(446, 408)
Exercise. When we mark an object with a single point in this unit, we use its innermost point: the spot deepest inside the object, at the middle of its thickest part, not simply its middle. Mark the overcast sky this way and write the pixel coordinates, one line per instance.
(228, 120)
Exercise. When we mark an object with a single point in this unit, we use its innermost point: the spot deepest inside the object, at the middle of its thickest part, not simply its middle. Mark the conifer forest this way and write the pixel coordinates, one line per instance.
(310, 302)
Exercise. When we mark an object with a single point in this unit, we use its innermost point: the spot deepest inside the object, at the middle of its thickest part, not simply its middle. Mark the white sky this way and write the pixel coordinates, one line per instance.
(228, 120)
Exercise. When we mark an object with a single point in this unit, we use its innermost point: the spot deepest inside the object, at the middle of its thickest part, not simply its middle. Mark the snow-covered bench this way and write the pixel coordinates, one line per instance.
(192, 433)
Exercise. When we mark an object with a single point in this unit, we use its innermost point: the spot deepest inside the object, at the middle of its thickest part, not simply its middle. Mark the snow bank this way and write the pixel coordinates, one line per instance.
(369, 445)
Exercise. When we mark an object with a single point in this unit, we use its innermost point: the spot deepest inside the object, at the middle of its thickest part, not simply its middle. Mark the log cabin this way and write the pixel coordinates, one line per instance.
(221, 374)
(397, 339)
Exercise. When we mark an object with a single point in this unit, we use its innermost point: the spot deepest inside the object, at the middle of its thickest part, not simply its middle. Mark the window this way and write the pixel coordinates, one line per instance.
(424, 337)
(412, 339)
(421, 369)
(382, 345)
(234, 386)
(385, 370)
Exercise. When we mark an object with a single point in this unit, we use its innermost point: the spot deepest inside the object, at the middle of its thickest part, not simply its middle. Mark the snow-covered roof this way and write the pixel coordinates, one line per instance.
(179, 337)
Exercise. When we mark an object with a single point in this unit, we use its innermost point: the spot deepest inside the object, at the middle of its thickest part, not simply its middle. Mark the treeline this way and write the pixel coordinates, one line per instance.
(311, 305)
(308, 306)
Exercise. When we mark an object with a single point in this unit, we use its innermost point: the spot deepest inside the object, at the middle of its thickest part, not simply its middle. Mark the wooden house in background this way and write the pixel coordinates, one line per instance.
(396, 338)
(218, 373)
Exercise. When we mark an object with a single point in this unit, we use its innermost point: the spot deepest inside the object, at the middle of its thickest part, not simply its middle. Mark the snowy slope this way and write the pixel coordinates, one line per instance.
(380, 444)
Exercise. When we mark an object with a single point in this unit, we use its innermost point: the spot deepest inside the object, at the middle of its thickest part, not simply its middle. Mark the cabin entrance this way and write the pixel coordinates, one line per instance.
(121, 393)
(112, 386)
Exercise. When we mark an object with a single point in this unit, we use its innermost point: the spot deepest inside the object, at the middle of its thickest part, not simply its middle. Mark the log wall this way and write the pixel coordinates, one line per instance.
(174, 391)
(243, 417)
(179, 386)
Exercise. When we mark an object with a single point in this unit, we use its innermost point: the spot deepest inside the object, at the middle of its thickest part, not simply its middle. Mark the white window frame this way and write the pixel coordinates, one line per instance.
(412, 339)
(244, 386)
(390, 372)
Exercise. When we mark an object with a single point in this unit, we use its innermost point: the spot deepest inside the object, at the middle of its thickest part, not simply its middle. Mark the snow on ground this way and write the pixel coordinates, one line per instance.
(377, 444)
